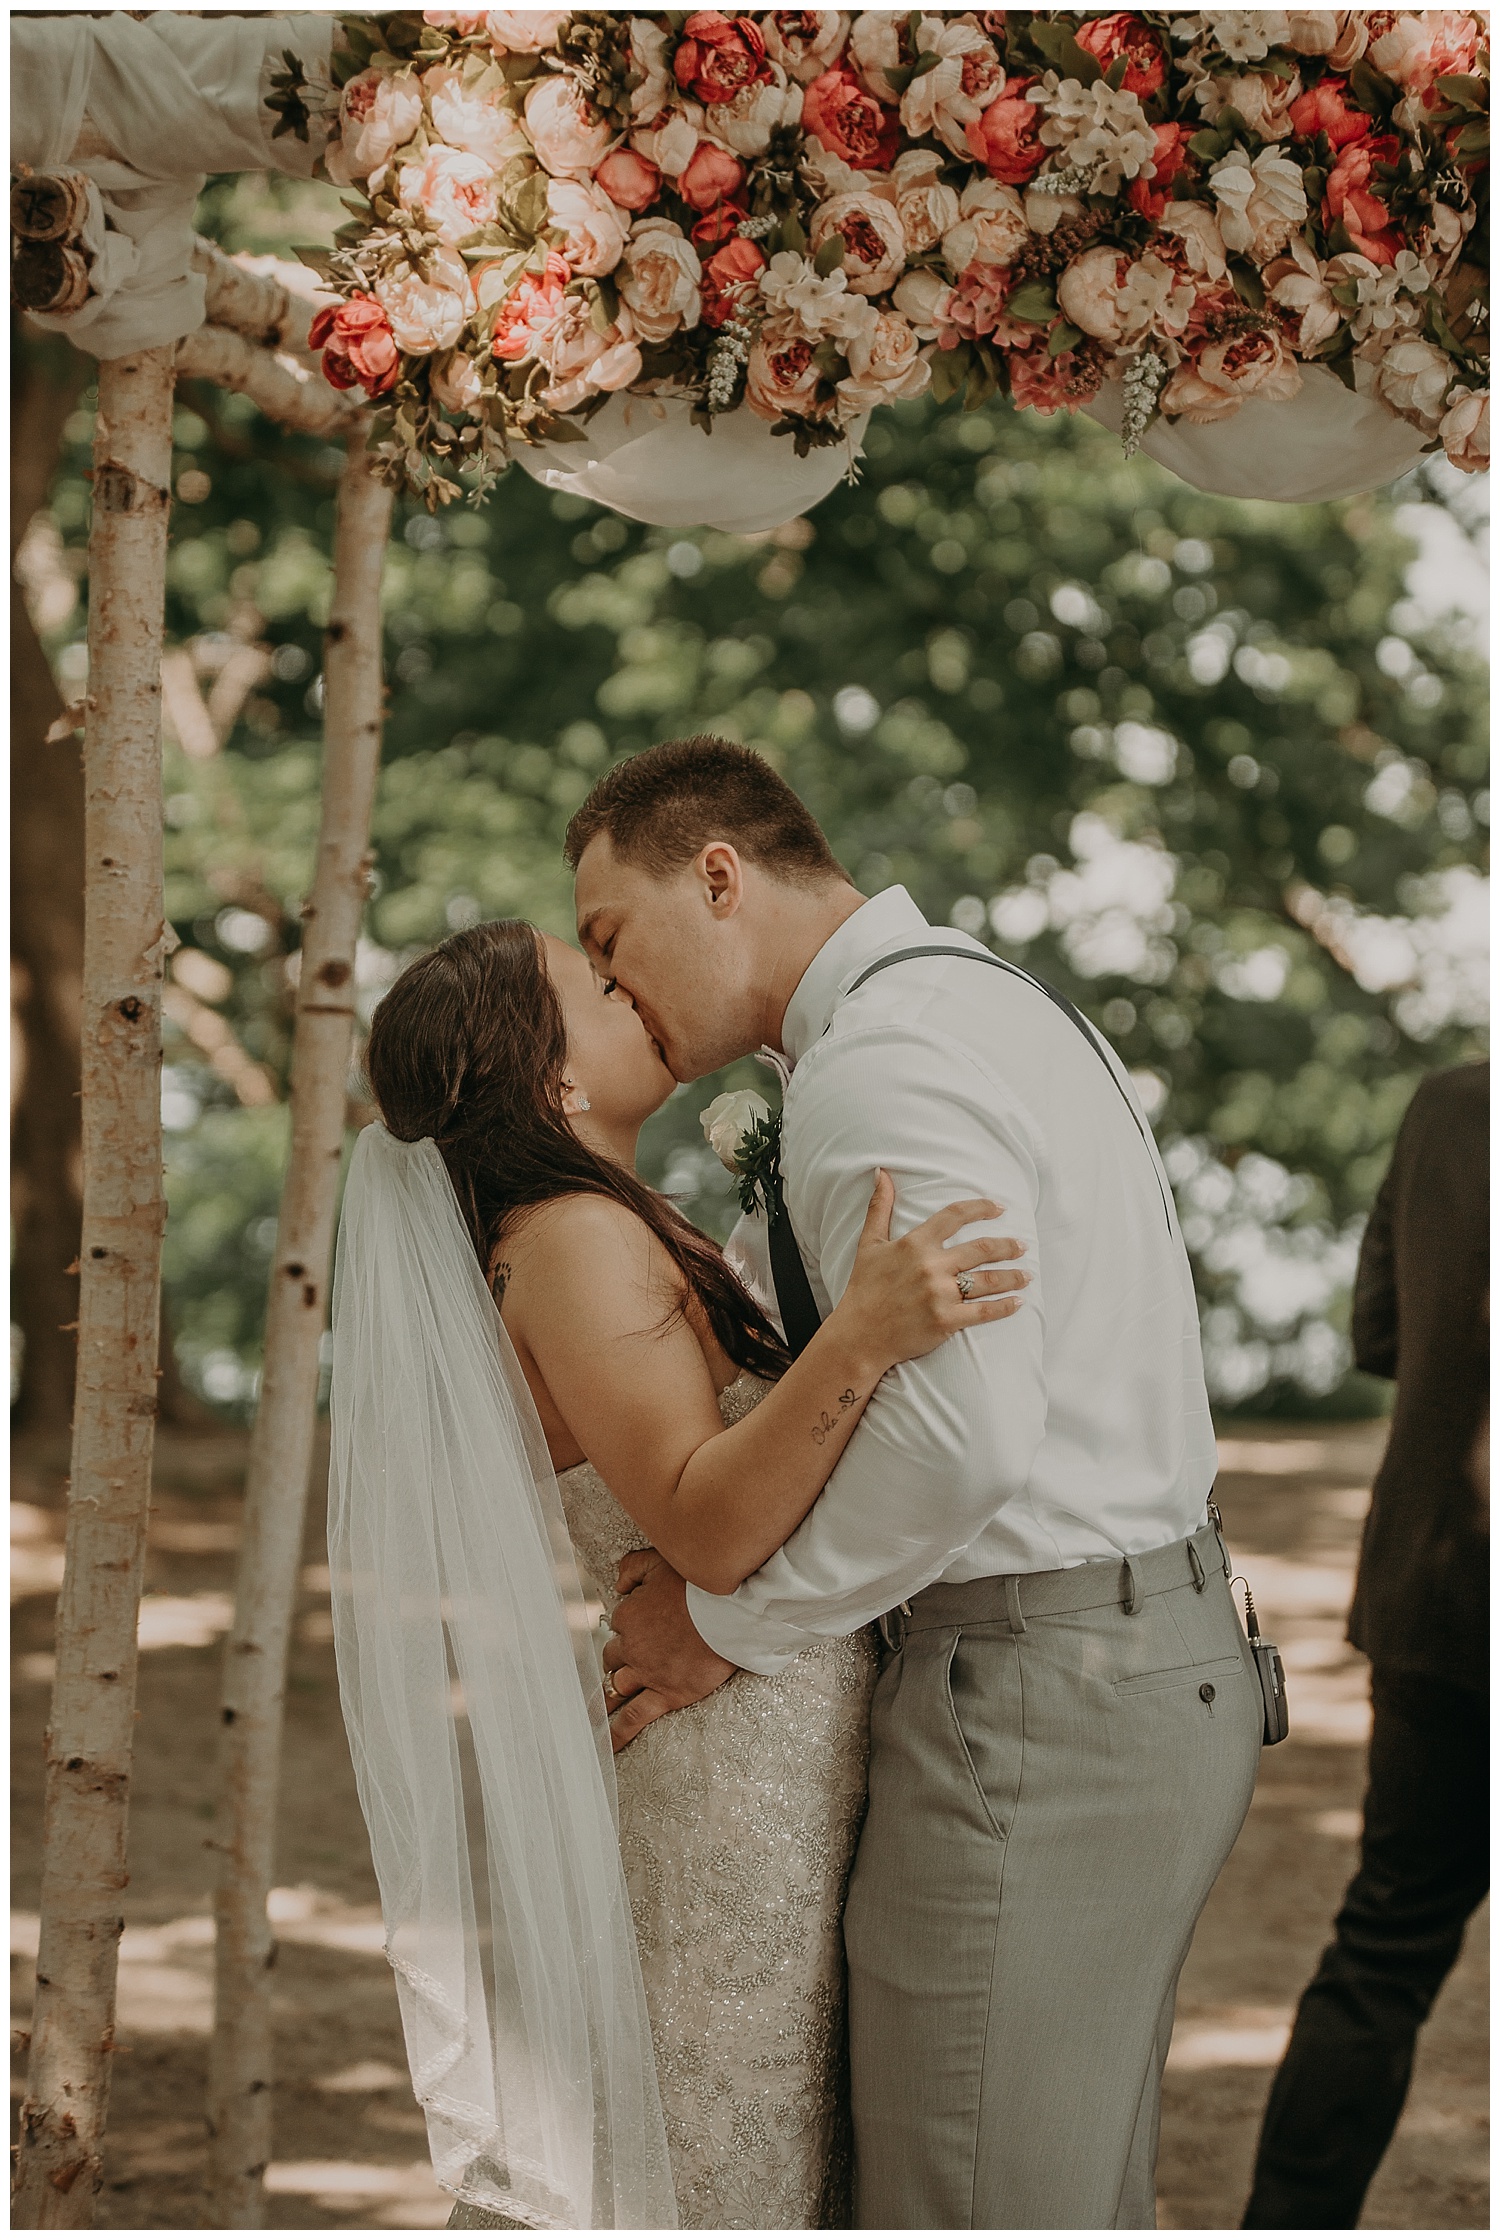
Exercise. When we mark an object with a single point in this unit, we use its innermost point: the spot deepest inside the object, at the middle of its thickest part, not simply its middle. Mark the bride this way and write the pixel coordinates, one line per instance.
(583, 2062)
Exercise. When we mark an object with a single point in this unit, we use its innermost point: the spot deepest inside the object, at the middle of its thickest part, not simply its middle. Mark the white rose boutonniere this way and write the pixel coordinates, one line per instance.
(745, 1135)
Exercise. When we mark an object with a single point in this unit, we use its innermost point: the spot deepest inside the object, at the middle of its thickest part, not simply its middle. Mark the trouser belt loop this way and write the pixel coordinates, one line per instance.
(1013, 1612)
(1130, 1600)
(1195, 1563)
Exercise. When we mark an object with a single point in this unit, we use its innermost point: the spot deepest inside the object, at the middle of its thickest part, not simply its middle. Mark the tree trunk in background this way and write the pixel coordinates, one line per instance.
(281, 1448)
(46, 804)
(91, 1732)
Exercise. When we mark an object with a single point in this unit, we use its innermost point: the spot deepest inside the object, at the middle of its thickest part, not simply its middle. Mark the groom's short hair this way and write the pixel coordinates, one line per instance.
(661, 807)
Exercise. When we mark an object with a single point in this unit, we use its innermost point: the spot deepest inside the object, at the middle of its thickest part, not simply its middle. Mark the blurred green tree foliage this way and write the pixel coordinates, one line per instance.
(1171, 751)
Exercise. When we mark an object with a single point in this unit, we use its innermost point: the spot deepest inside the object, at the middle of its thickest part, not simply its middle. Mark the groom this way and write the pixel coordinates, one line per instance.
(1066, 1730)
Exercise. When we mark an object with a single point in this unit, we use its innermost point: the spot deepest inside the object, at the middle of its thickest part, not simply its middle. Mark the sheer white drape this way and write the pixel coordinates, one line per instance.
(476, 1719)
(644, 457)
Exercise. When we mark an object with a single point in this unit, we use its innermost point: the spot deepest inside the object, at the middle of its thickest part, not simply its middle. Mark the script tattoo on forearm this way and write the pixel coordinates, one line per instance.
(827, 1423)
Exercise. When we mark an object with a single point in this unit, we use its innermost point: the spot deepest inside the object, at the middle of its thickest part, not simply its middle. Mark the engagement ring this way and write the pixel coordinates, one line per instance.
(965, 1285)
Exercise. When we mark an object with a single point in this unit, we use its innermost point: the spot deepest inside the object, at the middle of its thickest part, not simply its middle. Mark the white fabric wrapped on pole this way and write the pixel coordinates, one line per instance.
(473, 1699)
(171, 100)
(1325, 442)
(643, 457)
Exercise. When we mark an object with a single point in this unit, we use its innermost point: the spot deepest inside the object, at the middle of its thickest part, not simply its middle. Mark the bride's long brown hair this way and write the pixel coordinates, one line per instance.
(469, 1047)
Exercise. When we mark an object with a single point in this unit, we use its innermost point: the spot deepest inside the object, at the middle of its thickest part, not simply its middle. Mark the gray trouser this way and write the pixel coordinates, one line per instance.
(1059, 1766)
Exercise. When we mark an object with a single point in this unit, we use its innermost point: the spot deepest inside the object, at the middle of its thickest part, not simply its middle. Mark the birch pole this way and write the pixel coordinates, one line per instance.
(90, 1734)
(281, 1447)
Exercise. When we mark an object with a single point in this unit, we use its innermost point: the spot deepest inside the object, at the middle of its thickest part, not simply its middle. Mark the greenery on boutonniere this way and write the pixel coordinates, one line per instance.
(745, 1135)
(757, 1166)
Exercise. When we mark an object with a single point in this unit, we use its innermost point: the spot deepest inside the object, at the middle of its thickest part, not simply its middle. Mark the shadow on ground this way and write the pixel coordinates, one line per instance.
(350, 2148)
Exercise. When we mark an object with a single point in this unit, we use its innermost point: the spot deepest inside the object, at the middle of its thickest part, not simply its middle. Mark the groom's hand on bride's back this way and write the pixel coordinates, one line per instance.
(655, 1660)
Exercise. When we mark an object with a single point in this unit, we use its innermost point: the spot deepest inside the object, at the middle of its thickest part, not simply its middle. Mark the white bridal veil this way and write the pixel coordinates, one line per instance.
(477, 1724)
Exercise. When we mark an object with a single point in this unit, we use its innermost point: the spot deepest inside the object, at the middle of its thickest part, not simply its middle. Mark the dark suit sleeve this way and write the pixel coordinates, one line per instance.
(1374, 1319)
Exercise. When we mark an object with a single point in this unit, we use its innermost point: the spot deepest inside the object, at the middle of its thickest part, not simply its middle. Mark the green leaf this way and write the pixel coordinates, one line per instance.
(1114, 76)
(1438, 327)
(1474, 139)
(830, 256)
(1210, 144)
(1371, 90)
(1469, 93)
(793, 234)
(1247, 284)
(950, 370)
(1064, 53)
(1063, 337)
(1034, 302)
(316, 260)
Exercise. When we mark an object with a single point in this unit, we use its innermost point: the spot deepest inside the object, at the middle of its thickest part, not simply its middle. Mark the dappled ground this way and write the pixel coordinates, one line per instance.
(349, 2141)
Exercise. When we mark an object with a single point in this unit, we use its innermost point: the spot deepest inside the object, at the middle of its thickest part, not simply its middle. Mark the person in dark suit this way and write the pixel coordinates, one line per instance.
(1421, 1313)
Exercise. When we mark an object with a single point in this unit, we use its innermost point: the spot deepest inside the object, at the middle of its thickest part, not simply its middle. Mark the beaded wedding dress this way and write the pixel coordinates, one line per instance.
(738, 1818)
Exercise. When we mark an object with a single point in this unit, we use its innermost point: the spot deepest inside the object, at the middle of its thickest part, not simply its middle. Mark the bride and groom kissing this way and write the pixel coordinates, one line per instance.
(858, 1892)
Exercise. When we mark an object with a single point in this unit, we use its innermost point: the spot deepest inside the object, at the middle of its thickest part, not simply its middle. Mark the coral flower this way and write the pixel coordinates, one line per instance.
(1007, 139)
(719, 57)
(357, 345)
(1108, 37)
(850, 122)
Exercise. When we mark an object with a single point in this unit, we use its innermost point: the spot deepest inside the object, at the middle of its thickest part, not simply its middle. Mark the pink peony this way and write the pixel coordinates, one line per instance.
(357, 345)
(1106, 38)
(1348, 199)
(595, 229)
(1118, 299)
(1419, 49)
(378, 113)
(806, 42)
(1323, 109)
(712, 177)
(719, 56)
(850, 122)
(428, 310)
(524, 30)
(530, 311)
(990, 228)
(1216, 384)
(568, 136)
(873, 237)
(1465, 430)
(455, 192)
(466, 119)
(927, 206)
(580, 361)
(465, 21)
(729, 275)
(885, 363)
(1414, 380)
(659, 278)
(781, 376)
(923, 298)
(944, 101)
(1006, 139)
(628, 179)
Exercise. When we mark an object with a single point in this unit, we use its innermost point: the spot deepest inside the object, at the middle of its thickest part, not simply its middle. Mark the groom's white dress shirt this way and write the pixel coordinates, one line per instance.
(1076, 1429)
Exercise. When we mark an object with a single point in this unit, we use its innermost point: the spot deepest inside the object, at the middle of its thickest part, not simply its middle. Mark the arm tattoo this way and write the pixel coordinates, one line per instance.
(827, 1423)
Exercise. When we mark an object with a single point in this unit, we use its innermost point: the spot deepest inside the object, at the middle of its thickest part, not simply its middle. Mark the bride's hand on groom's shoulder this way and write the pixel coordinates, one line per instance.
(655, 1660)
